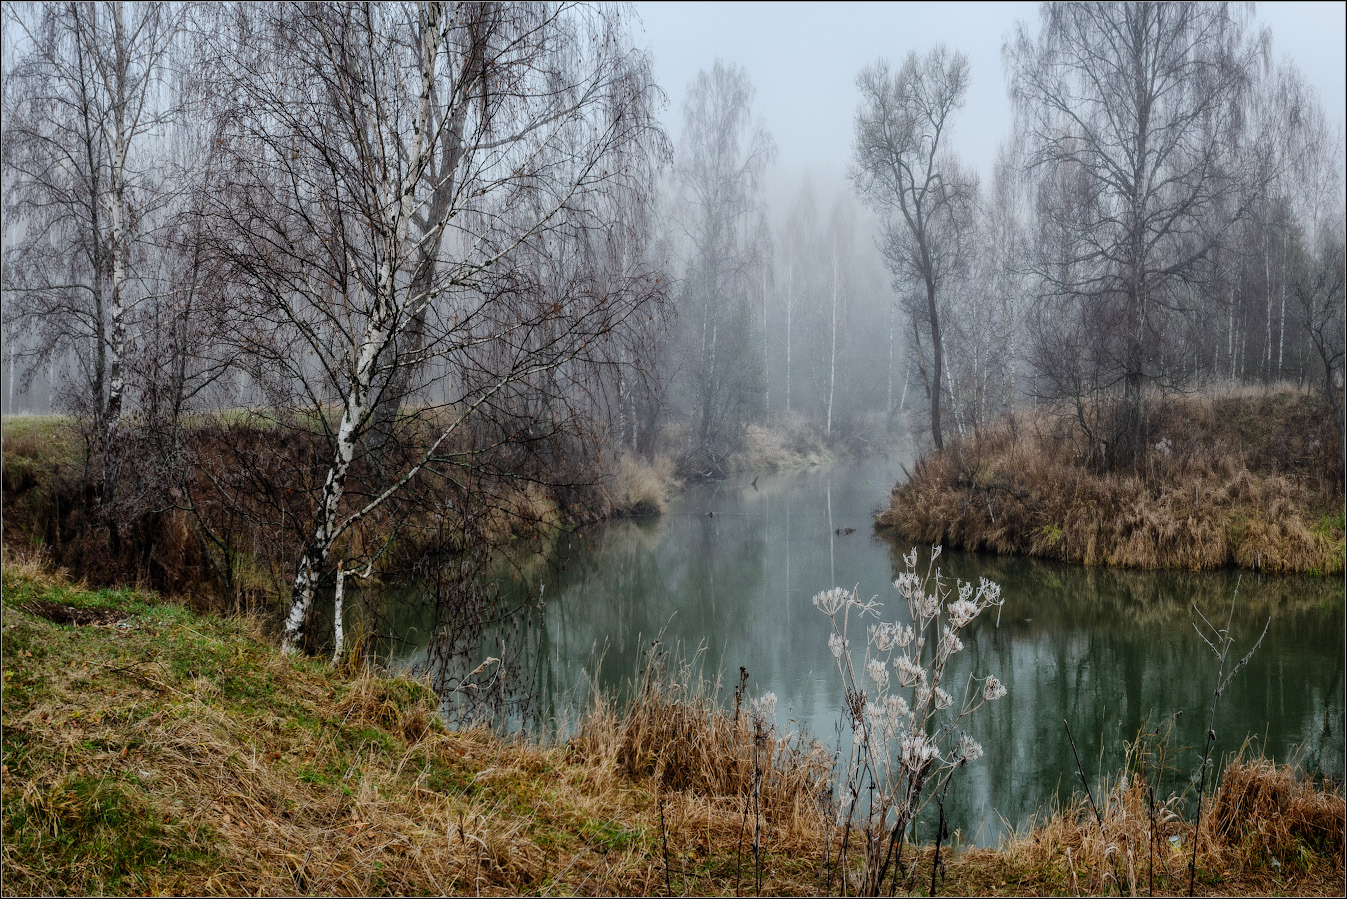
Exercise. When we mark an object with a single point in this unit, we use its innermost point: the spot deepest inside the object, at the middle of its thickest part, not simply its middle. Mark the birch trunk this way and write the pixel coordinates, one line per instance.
(832, 352)
(338, 638)
(391, 236)
(790, 309)
(118, 141)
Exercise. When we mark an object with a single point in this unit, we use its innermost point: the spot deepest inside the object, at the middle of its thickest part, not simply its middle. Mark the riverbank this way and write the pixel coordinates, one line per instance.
(1249, 480)
(148, 748)
(235, 552)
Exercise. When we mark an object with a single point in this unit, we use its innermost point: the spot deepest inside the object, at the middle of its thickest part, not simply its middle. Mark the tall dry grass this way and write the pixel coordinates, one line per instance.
(673, 734)
(1251, 482)
(639, 487)
(1273, 831)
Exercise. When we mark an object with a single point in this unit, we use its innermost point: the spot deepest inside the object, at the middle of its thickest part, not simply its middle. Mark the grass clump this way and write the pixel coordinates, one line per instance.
(640, 487)
(1247, 481)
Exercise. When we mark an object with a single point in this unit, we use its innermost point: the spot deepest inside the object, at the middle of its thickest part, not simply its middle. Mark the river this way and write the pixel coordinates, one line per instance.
(732, 567)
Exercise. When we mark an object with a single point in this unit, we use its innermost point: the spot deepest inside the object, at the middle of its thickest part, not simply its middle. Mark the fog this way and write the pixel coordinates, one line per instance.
(815, 312)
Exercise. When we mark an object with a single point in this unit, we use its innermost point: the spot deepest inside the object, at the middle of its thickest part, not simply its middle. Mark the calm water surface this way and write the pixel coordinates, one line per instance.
(732, 567)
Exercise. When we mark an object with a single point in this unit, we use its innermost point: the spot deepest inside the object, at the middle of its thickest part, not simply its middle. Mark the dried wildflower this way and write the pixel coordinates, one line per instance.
(927, 605)
(830, 602)
(950, 642)
(907, 584)
(969, 749)
(962, 611)
(916, 750)
(909, 672)
(764, 705)
(878, 673)
(989, 593)
(897, 727)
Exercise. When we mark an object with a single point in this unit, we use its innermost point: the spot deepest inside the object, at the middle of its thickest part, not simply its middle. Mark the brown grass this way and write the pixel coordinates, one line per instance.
(180, 753)
(1269, 831)
(674, 733)
(639, 487)
(1250, 482)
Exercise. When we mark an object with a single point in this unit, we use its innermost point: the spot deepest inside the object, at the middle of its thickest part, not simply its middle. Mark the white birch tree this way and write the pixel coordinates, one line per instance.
(400, 180)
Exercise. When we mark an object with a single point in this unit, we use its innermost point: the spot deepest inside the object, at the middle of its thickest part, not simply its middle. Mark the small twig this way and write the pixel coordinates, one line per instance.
(940, 829)
(1090, 796)
(664, 837)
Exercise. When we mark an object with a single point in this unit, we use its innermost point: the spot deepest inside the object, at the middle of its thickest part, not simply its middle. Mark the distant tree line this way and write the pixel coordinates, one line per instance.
(1167, 214)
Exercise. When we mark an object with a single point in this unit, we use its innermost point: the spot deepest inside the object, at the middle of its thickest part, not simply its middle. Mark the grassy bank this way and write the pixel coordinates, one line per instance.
(151, 749)
(1247, 480)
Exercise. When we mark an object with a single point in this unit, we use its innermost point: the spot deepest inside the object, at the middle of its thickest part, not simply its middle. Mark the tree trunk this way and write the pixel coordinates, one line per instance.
(832, 354)
(937, 364)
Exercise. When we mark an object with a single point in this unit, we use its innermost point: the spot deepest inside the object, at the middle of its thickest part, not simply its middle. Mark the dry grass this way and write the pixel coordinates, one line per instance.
(172, 752)
(640, 488)
(674, 734)
(1242, 481)
(178, 753)
(781, 446)
(1269, 831)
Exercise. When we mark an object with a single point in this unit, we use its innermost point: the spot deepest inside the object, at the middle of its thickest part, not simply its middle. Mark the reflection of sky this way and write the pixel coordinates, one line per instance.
(1106, 650)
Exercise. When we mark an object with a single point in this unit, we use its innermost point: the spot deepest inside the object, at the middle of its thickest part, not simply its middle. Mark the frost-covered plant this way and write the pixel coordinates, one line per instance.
(907, 729)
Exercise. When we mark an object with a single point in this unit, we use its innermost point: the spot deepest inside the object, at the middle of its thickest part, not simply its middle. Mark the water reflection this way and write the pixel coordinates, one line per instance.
(733, 566)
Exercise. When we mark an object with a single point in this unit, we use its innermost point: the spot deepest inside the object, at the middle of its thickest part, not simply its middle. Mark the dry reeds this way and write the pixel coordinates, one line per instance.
(672, 732)
(642, 487)
(1247, 482)
(1269, 812)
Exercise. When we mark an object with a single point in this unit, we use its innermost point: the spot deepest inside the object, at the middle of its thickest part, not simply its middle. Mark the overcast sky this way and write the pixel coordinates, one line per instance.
(803, 59)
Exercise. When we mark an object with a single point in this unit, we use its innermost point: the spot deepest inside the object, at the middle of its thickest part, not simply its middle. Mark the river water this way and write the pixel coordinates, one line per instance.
(732, 568)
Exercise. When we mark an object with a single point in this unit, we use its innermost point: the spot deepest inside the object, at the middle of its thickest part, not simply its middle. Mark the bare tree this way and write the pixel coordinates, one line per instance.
(900, 169)
(86, 100)
(799, 247)
(718, 172)
(1144, 104)
(413, 211)
(1318, 287)
(833, 314)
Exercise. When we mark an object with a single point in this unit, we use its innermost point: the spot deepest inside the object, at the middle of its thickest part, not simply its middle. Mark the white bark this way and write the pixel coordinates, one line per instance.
(388, 309)
(790, 309)
(338, 638)
(832, 351)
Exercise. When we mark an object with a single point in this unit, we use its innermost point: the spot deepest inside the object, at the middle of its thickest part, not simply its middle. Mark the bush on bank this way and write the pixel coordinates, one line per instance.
(1251, 481)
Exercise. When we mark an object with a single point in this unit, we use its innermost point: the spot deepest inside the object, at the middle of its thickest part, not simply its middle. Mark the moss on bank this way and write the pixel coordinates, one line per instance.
(150, 749)
(1250, 481)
